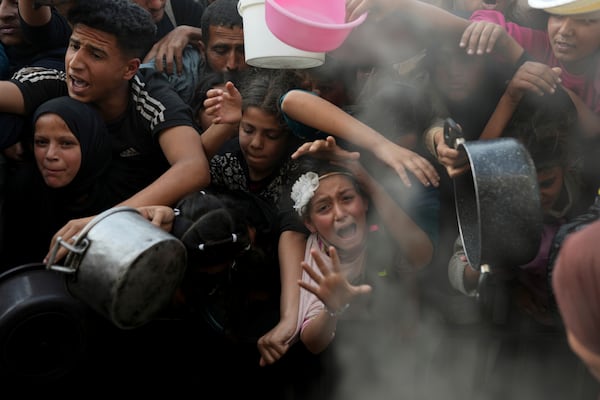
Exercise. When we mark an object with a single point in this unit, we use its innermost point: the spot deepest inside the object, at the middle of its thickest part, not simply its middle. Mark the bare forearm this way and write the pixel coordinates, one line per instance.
(216, 136)
(500, 118)
(414, 243)
(319, 332)
(291, 253)
(320, 114)
(183, 178)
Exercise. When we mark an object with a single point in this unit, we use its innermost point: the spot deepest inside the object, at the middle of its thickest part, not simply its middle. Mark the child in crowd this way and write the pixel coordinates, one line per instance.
(66, 179)
(311, 114)
(346, 256)
(232, 279)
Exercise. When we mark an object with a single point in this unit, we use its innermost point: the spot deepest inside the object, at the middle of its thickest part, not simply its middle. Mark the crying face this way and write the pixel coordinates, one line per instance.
(338, 212)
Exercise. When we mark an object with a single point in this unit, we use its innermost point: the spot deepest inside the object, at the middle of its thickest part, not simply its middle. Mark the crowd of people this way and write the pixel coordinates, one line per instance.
(316, 206)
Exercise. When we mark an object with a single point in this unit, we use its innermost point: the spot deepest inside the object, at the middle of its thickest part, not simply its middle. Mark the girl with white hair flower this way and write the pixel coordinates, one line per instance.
(351, 260)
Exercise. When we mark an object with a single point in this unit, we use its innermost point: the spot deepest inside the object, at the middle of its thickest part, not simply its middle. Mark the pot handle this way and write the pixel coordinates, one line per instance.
(73, 258)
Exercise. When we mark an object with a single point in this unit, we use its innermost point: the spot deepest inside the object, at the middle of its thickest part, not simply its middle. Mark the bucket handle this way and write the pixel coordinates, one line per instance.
(73, 258)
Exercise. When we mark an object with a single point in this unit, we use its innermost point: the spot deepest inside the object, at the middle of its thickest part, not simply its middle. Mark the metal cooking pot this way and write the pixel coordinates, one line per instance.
(498, 204)
(43, 329)
(123, 266)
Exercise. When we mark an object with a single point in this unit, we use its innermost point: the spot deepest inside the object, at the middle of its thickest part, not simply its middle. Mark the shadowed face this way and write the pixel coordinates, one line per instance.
(456, 74)
(10, 27)
(224, 49)
(550, 182)
(262, 141)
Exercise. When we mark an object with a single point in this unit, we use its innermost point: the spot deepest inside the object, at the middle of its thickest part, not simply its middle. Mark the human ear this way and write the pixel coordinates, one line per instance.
(131, 68)
(309, 225)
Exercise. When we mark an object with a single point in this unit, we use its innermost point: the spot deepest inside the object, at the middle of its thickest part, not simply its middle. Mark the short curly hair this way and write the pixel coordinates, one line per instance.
(131, 24)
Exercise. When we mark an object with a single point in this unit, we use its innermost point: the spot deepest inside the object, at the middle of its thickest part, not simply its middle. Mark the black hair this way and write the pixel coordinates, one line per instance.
(210, 219)
(211, 229)
(322, 167)
(263, 88)
(546, 125)
(220, 13)
(397, 109)
(131, 24)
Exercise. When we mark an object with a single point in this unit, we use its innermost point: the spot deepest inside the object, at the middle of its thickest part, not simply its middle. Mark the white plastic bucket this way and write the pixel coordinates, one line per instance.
(263, 49)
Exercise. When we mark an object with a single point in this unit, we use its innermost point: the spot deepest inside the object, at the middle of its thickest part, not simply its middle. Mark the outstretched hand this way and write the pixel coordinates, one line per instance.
(402, 160)
(224, 105)
(325, 149)
(331, 286)
(482, 37)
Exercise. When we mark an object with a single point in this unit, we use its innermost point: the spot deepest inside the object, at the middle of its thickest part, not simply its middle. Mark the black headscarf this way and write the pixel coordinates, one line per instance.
(87, 191)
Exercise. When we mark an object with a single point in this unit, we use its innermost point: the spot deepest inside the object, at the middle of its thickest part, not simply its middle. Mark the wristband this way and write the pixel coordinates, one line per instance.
(337, 313)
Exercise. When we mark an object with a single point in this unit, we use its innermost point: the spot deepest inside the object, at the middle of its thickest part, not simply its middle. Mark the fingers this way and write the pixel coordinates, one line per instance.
(421, 169)
(363, 289)
(271, 354)
(453, 172)
(451, 158)
(535, 77)
(480, 37)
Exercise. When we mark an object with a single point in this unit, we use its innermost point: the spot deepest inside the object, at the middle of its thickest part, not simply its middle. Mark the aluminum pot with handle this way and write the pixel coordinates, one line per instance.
(123, 266)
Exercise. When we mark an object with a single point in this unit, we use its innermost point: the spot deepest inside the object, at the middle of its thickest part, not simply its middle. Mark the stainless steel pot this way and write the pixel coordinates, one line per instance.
(498, 204)
(43, 329)
(123, 266)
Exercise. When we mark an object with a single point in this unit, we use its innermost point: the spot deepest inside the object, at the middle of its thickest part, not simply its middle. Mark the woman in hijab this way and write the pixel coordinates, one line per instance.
(64, 180)
(576, 283)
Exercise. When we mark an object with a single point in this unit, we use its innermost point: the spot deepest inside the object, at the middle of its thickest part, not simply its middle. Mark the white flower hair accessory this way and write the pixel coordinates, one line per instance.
(303, 190)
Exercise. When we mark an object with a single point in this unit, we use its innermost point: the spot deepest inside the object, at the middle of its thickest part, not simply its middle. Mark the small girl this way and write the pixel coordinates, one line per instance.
(346, 256)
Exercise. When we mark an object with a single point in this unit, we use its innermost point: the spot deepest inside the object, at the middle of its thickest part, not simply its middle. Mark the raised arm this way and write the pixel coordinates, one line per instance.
(530, 77)
(188, 173)
(170, 48)
(320, 114)
(413, 242)
(225, 106)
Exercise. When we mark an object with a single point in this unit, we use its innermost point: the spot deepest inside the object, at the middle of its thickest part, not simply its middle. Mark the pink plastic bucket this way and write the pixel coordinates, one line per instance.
(263, 49)
(311, 25)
